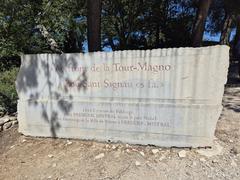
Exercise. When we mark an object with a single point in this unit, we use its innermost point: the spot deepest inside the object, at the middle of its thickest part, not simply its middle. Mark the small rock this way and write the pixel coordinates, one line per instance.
(1, 121)
(142, 153)
(114, 147)
(127, 150)
(236, 149)
(137, 163)
(107, 146)
(155, 151)
(13, 118)
(99, 156)
(15, 122)
(24, 140)
(162, 158)
(69, 142)
(233, 163)
(54, 165)
(50, 156)
(7, 125)
(202, 160)
(215, 150)
(4, 120)
(127, 146)
(182, 153)
(214, 161)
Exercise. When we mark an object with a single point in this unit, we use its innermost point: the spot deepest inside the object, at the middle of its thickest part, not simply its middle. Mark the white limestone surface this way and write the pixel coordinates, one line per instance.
(165, 97)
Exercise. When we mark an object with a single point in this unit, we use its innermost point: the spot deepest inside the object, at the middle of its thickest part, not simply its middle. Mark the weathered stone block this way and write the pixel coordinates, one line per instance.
(166, 97)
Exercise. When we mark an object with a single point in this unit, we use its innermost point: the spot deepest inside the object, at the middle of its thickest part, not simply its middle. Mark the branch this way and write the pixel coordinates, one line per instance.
(53, 44)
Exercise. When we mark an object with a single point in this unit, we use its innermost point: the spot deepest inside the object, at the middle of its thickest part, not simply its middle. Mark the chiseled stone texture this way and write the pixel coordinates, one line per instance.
(165, 97)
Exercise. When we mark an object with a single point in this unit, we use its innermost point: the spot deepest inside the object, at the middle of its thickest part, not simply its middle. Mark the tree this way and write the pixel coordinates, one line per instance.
(232, 9)
(41, 26)
(147, 24)
(132, 24)
(94, 25)
(236, 46)
(226, 29)
(199, 26)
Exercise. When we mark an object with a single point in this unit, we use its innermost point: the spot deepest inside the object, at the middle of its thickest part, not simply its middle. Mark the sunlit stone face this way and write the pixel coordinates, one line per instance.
(165, 97)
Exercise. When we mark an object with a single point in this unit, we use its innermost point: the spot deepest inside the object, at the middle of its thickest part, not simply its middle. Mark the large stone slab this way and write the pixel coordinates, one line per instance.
(166, 97)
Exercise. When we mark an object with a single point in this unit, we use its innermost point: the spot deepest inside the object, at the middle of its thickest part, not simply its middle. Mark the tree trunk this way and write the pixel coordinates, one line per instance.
(236, 48)
(226, 31)
(94, 25)
(199, 25)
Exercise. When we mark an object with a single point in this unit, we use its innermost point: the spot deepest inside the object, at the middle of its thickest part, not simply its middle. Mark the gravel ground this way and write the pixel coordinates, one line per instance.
(45, 158)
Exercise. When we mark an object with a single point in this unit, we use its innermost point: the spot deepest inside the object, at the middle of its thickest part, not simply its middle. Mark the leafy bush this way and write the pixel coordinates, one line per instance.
(8, 94)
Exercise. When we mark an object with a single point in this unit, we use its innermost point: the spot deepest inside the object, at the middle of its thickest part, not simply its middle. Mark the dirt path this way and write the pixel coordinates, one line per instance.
(40, 158)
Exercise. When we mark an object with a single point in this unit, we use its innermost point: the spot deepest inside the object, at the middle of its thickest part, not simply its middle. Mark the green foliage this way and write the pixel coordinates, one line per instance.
(19, 21)
(7, 63)
(8, 94)
(147, 24)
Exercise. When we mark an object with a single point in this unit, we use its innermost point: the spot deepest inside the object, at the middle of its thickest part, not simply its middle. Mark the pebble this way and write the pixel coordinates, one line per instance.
(155, 151)
(233, 163)
(162, 158)
(236, 149)
(13, 118)
(14, 123)
(142, 153)
(54, 165)
(182, 153)
(214, 161)
(7, 125)
(69, 142)
(137, 163)
(202, 160)
(50, 156)
(114, 147)
(4, 120)
(1, 121)
(99, 156)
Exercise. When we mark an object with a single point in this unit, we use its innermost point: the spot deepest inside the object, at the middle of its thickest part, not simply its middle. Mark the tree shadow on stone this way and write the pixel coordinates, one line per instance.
(37, 80)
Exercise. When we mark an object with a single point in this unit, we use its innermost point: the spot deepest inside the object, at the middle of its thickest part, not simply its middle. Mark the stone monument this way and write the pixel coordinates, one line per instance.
(165, 97)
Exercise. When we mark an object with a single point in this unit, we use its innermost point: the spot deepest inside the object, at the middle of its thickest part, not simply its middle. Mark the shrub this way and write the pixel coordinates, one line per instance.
(8, 94)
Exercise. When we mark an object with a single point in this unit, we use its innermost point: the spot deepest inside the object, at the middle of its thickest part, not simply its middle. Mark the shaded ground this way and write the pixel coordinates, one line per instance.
(40, 158)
